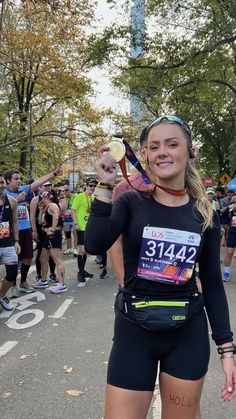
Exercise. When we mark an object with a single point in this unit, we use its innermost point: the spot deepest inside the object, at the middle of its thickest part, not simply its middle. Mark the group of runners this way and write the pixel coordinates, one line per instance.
(224, 203)
(37, 213)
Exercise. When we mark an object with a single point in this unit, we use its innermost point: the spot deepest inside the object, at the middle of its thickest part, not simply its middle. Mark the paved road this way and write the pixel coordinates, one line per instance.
(51, 344)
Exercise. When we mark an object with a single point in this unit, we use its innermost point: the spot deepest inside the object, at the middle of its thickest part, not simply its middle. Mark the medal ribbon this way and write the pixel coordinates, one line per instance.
(130, 155)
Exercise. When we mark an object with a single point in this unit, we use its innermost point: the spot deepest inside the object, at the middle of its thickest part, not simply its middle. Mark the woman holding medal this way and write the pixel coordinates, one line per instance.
(160, 320)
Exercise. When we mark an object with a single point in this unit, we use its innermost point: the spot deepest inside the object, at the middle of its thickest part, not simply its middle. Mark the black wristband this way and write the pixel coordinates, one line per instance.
(55, 173)
(227, 349)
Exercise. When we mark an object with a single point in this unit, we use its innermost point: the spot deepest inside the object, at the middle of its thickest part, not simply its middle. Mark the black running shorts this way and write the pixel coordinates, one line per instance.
(183, 353)
(231, 238)
(53, 241)
(80, 238)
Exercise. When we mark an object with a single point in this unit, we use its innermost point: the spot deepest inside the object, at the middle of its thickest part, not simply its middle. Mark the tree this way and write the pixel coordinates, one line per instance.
(188, 67)
(45, 74)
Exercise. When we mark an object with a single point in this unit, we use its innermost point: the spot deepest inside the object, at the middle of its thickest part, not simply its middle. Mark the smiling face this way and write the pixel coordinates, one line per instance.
(167, 154)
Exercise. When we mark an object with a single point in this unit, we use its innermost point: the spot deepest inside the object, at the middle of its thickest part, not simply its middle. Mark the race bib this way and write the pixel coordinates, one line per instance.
(233, 221)
(4, 230)
(22, 213)
(168, 255)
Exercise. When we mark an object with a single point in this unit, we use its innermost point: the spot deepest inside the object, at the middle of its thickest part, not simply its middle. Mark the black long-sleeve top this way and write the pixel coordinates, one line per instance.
(128, 216)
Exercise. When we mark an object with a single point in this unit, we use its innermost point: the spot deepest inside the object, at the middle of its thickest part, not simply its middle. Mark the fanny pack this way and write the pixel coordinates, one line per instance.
(157, 315)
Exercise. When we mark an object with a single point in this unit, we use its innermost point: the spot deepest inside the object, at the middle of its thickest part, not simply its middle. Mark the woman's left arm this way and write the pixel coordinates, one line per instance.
(216, 303)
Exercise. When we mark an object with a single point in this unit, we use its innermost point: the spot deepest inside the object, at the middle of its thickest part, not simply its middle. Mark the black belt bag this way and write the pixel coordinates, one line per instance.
(157, 315)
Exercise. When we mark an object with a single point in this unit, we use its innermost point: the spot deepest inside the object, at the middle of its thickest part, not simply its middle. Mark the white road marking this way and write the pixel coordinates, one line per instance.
(25, 301)
(7, 346)
(7, 313)
(21, 303)
(156, 406)
(62, 309)
(12, 323)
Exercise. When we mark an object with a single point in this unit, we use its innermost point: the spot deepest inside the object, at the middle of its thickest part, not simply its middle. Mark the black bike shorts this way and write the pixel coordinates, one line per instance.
(231, 238)
(183, 353)
(80, 238)
(53, 241)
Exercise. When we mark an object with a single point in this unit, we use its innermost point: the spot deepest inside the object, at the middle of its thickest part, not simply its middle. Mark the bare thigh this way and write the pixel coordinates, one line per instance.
(126, 404)
(180, 398)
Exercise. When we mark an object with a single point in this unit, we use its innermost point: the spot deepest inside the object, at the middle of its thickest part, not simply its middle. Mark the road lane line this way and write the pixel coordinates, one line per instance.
(62, 309)
(7, 346)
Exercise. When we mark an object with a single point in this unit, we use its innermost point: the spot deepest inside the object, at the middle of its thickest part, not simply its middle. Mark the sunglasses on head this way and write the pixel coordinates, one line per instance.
(171, 118)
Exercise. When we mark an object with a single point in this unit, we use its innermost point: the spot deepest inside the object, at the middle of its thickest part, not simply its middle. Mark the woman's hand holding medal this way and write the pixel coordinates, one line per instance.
(106, 167)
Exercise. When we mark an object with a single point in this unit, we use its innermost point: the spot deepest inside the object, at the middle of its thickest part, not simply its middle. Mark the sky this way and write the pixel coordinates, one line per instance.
(106, 96)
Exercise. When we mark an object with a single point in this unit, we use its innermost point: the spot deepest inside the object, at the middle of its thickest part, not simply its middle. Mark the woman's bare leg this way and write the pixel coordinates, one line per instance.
(126, 404)
(180, 398)
(56, 255)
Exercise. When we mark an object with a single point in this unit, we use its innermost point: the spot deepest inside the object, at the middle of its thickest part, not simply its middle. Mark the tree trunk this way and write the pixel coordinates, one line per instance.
(24, 144)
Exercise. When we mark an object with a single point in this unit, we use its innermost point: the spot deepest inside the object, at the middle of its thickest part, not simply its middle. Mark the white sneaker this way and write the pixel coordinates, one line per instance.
(59, 289)
(5, 303)
(13, 293)
(67, 252)
(25, 287)
(41, 284)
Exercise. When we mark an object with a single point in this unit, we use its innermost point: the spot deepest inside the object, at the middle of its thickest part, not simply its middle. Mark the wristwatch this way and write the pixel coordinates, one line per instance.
(227, 349)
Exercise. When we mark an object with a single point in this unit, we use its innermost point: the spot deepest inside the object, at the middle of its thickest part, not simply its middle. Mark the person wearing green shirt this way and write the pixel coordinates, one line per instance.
(80, 212)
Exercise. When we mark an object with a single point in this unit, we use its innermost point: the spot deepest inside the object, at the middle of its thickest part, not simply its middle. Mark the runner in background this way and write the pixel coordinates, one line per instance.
(9, 243)
(68, 223)
(20, 193)
(80, 212)
(37, 233)
(49, 217)
(224, 213)
(230, 213)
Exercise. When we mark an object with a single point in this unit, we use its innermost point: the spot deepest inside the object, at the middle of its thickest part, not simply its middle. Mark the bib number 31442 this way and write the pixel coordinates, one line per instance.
(168, 255)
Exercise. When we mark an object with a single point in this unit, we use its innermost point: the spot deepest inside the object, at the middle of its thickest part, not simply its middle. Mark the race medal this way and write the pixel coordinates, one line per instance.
(117, 150)
(168, 255)
(4, 229)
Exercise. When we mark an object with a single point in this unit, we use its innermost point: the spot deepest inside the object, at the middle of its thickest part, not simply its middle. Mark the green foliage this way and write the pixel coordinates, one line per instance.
(188, 67)
(45, 91)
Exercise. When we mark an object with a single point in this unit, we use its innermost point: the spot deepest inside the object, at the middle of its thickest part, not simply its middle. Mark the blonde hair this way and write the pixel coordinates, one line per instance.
(197, 191)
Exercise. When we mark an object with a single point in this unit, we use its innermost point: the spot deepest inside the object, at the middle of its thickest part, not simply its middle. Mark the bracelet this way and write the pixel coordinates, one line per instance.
(109, 186)
(55, 173)
(107, 193)
(226, 356)
(226, 349)
(16, 240)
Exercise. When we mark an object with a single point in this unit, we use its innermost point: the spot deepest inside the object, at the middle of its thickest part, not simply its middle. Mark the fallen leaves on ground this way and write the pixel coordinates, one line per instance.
(68, 370)
(24, 356)
(7, 395)
(75, 393)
